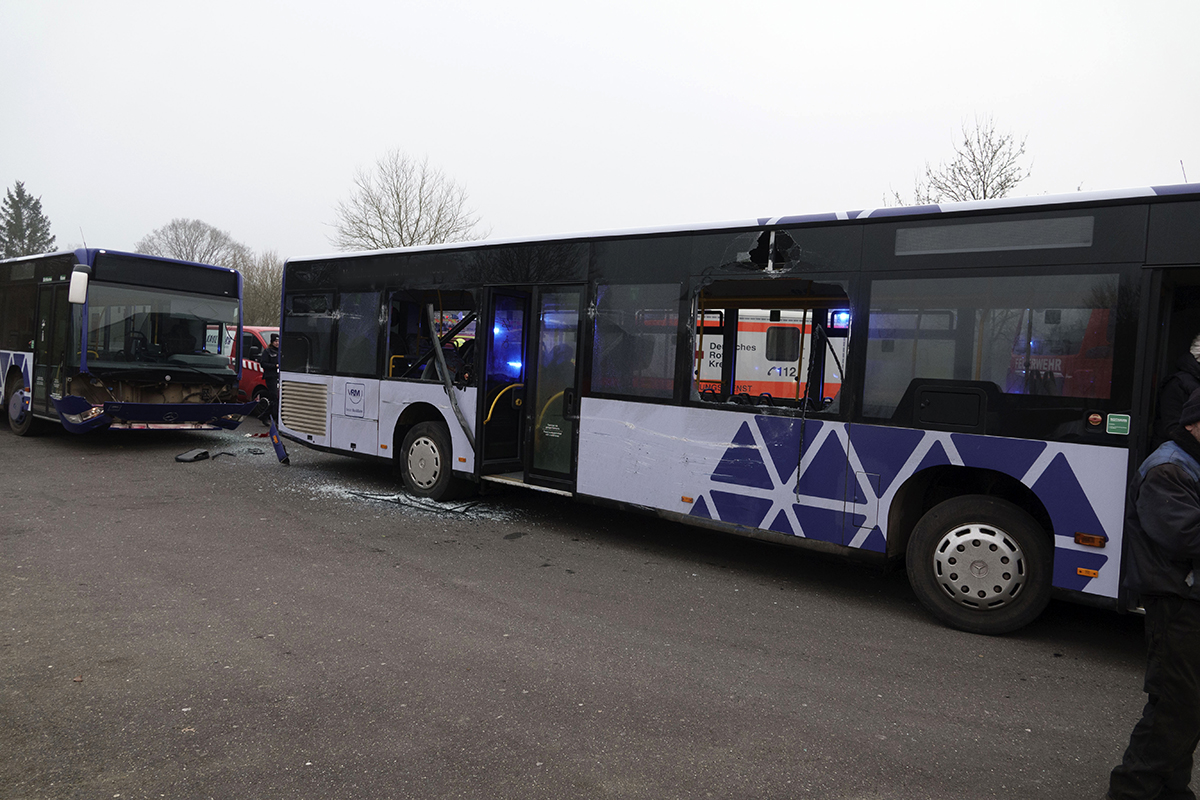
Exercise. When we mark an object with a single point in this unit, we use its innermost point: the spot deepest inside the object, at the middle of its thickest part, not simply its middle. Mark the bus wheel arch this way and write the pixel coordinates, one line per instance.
(929, 487)
(413, 414)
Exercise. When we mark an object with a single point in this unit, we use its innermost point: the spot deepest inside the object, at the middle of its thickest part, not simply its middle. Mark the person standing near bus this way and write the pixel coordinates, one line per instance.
(269, 361)
(1176, 390)
(1162, 531)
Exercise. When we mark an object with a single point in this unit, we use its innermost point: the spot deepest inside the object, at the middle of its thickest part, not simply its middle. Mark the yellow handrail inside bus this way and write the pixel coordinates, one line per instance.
(497, 400)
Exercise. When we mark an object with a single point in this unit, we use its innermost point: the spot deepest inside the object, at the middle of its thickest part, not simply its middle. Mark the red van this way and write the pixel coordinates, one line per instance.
(254, 341)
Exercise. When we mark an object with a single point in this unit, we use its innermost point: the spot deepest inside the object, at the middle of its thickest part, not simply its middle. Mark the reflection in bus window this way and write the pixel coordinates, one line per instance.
(307, 333)
(636, 331)
(358, 333)
(1049, 335)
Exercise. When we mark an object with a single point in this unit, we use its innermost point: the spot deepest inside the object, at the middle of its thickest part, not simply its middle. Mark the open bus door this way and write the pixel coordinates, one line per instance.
(501, 428)
(1173, 324)
(530, 407)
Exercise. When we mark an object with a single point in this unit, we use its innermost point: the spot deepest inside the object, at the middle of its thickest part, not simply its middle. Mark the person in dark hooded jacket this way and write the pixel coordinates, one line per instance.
(1162, 539)
(1176, 390)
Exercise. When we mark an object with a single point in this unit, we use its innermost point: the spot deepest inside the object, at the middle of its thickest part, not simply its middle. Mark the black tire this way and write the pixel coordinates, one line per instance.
(20, 421)
(426, 462)
(980, 564)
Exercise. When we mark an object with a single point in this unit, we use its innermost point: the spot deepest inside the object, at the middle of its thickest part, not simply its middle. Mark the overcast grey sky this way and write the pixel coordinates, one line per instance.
(571, 116)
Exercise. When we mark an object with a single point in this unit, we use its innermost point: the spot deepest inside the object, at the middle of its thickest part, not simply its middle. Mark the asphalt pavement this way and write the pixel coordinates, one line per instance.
(237, 628)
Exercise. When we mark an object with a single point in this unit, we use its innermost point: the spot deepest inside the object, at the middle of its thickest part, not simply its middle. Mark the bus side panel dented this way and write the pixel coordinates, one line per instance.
(742, 469)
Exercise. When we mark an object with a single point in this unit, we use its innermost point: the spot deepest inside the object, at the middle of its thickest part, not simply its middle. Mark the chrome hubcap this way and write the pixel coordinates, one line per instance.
(979, 566)
(424, 462)
(16, 407)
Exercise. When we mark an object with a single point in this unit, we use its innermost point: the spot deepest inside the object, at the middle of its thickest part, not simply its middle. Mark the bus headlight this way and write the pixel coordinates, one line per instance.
(79, 419)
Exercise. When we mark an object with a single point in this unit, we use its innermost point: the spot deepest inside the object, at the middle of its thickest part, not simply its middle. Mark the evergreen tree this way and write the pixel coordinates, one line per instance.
(24, 229)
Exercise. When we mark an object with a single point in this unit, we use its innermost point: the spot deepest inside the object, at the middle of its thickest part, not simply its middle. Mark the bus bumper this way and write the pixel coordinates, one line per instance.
(80, 416)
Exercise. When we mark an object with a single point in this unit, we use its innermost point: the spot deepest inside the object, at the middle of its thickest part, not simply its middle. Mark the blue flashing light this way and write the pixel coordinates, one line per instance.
(497, 330)
(840, 319)
(515, 364)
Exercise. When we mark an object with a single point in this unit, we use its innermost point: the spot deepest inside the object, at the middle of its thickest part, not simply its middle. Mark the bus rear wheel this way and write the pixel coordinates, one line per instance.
(20, 418)
(980, 564)
(425, 461)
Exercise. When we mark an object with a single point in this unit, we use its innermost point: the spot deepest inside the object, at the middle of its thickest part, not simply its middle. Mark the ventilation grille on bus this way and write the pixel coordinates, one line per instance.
(303, 406)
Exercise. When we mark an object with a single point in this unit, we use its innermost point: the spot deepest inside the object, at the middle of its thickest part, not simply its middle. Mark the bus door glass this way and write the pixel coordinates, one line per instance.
(50, 347)
(1179, 327)
(503, 407)
(554, 408)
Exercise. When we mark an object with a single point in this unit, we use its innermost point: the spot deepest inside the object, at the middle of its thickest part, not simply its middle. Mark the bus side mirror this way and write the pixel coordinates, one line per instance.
(77, 294)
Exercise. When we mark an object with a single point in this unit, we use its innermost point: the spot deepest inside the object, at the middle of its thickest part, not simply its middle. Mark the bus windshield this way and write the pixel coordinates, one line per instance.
(146, 327)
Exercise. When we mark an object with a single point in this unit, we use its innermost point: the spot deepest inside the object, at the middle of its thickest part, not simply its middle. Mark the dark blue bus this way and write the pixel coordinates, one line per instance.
(98, 338)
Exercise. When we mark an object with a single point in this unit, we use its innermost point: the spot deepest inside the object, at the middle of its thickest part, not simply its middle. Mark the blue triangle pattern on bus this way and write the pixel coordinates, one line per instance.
(936, 457)
(883, 451)
(742, 464)
(825, 476)
(824, 524)
(782, 525)
(1012, 456)
(700, 509)
(782, 437)
(1069, 508)
(740, 509)
(875, 541)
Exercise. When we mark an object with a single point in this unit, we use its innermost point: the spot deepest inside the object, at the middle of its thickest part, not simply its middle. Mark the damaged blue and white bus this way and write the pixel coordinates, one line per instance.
(98, 338)
(961, 387)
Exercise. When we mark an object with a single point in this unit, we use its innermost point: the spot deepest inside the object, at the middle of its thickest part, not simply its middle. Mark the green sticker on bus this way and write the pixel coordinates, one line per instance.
(1118, 424)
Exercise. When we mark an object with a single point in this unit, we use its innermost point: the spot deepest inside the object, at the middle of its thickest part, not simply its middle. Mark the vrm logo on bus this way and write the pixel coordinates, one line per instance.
(355, 395)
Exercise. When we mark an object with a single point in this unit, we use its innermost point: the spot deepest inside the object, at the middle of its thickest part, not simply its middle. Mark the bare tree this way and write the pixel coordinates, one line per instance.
(986, 164)
(402, 203)
(262, 283)
(194, 240)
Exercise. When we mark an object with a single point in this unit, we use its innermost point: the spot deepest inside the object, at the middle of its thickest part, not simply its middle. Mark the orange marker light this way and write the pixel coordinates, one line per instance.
(687, 499)
(1090, 539)
(1088, 573)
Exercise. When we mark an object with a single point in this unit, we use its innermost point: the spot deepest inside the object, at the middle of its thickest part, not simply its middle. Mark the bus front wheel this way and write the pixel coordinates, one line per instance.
(425, 461)
(20, 418)
(980, 564)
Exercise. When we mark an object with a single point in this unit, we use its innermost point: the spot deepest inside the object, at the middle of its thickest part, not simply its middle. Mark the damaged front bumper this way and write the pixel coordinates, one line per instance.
(80, 416)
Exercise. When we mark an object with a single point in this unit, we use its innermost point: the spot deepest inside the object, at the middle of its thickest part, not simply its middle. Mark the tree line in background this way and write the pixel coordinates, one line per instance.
(404, 202)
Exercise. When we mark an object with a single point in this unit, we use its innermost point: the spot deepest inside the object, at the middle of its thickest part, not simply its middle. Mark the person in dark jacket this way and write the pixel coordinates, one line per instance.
(1176, 390)
(269, 361)
(1162, 536)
